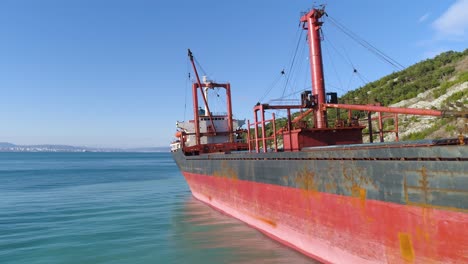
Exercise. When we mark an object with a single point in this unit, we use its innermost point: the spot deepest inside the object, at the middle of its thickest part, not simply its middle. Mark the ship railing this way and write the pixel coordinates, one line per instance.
(380, 110)
(223, 114)
(368, 121)
(260, 127)
(380, 119)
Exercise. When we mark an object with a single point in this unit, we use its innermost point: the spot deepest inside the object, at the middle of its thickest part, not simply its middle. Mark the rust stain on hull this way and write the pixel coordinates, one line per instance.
(266, 221)
(428, 190)
(406, 247)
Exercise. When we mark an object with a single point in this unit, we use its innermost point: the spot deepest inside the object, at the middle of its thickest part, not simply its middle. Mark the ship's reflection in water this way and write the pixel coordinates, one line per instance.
(203, 235)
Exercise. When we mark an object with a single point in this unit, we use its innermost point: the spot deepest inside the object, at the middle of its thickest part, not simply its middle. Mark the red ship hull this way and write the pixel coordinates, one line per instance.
(339, 229)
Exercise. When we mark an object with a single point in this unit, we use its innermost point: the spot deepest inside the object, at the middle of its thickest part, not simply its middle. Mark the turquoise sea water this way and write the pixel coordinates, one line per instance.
(116, 208)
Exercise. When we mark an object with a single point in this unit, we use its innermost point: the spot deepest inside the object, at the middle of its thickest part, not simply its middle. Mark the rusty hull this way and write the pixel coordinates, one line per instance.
(409, 201)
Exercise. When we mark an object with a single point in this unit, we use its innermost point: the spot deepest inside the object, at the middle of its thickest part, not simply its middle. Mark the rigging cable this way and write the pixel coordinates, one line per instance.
(295, 68)
(362, 77)
(331, 60)
(350, 79)
(345, 58)
(349, 61)
(200, 67)
(187, 83)
(293, 59)
(273, 84)
(219, 99)
(297, 92)
(300, 70)
(366, 44)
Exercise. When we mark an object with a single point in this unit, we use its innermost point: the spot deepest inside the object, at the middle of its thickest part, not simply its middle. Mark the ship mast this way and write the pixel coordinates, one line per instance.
(312, 24)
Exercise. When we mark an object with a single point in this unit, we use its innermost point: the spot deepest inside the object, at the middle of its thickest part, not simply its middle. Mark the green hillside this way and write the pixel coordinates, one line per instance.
(438, 83)
(440, 72)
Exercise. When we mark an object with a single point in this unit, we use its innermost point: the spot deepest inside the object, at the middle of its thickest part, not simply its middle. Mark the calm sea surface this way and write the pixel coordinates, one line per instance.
(116, 208)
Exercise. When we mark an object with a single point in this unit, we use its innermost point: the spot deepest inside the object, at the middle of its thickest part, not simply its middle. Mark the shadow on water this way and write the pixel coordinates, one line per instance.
(202, 234)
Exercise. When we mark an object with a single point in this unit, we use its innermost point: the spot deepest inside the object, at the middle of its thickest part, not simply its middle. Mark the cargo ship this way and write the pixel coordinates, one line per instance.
(318, 188)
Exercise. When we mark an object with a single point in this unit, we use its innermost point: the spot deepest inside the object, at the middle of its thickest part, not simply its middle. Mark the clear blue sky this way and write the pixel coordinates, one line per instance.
(113, 73)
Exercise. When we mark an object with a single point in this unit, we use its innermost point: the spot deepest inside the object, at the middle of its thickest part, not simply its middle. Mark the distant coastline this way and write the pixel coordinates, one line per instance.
(10, 147)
